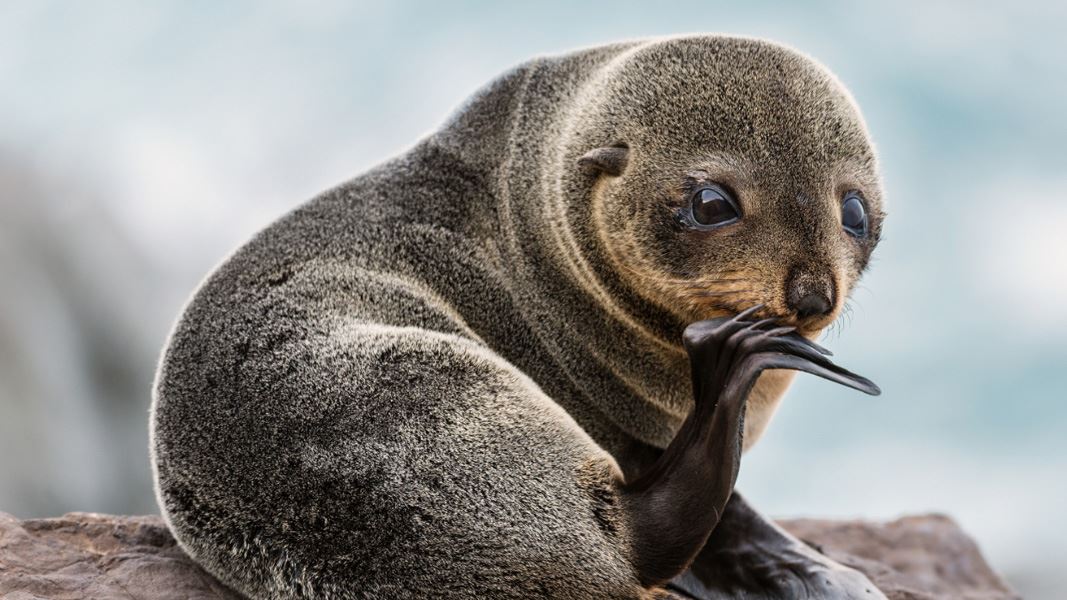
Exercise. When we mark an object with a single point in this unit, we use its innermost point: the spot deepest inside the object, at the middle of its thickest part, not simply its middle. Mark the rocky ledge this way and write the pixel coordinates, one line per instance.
(82, 555)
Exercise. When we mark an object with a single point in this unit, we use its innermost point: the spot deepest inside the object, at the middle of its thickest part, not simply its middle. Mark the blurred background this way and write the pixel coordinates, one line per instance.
(142, 142)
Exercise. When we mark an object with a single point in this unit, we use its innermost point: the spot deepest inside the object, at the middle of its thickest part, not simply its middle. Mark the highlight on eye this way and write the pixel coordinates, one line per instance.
(712, 206)
(854, 214)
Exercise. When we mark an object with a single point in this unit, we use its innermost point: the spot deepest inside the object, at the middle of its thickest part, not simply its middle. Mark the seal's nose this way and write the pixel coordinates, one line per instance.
(809, 295)
(811, 305)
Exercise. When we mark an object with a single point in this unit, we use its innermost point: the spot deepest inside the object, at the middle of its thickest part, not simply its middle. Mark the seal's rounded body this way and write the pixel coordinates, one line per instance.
(431, 380)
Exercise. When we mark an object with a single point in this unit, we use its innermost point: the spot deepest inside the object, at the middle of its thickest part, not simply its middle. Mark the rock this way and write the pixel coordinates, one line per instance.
(913, 558)
(83, 555)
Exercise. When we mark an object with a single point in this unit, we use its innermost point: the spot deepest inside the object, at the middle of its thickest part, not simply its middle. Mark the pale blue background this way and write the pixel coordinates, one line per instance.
(140, 143)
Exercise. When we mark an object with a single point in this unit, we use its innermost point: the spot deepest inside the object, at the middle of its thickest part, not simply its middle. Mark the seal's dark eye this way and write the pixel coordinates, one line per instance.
(854, 215)
(714, 205)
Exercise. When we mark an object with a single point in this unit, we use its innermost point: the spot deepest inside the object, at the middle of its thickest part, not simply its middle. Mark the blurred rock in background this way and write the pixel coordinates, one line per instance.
(78, 340)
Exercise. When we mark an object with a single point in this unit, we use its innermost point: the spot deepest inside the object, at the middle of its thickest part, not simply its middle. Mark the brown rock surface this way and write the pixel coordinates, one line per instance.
(912, 558)
(82, 555)
(85, 555)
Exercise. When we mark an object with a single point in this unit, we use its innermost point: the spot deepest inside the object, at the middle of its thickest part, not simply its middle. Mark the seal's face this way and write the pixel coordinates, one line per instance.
(747, 178)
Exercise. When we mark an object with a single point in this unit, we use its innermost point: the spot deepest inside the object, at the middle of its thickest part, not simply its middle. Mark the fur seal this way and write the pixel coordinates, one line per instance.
(462, 374)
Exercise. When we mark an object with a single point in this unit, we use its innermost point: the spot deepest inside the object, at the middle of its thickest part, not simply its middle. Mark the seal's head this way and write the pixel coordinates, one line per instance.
(728, 172)
(638, 187)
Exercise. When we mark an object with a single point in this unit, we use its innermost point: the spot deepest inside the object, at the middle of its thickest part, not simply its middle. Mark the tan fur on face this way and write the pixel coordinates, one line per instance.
(719, 290)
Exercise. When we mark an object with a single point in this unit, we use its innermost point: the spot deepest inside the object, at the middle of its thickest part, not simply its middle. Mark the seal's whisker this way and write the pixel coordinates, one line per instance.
(690, 283)
(707, 282)
(719, 283)
(843, 320)
(722, 292)
(700, 282)
(718, 278)
(649, 277)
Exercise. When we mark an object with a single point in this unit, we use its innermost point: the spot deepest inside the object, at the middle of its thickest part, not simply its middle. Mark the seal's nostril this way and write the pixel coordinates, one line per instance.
(812, 305)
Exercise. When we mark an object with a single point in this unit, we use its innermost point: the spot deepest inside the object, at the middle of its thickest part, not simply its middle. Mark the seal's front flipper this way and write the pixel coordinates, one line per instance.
(748, 556)
(676, 504)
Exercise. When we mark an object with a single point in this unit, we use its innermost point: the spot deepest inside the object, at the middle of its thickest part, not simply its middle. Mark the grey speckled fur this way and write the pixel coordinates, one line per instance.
(428, 381)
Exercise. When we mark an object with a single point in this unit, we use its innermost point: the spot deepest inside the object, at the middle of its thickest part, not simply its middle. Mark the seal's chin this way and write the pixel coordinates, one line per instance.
(809, 328)
(811, 333)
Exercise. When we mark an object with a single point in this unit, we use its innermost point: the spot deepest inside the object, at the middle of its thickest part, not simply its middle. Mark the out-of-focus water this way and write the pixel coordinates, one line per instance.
(140, 143)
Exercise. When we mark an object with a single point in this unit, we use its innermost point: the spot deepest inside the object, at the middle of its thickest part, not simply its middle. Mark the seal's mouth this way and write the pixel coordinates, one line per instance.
(810, 326)
(728, 293)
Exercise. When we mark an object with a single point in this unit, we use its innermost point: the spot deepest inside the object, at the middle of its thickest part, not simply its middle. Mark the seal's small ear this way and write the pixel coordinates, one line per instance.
(609, 161)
